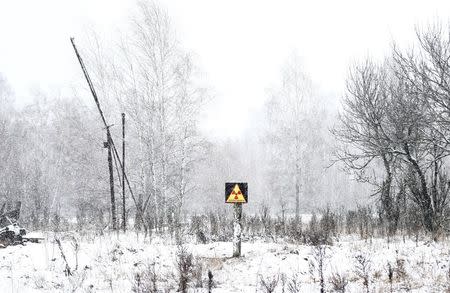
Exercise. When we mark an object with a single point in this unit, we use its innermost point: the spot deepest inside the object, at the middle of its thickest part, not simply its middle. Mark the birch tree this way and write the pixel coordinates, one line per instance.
(154, 82)
(290, 135)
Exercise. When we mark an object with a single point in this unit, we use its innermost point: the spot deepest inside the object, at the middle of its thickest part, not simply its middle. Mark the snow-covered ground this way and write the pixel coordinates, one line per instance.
(109, 263)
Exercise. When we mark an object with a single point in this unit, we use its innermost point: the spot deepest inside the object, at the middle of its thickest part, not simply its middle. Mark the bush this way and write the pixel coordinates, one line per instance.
(145, 281)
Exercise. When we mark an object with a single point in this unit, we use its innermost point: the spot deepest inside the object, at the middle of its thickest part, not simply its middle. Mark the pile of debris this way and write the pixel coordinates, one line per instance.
(10, 231)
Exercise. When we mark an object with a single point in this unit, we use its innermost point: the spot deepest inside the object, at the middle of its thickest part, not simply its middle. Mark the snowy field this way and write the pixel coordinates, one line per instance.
(110, 263)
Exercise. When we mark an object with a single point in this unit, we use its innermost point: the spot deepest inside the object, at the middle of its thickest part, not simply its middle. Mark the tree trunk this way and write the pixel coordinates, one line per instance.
(425, 201)
(297, 193)
(388, 204)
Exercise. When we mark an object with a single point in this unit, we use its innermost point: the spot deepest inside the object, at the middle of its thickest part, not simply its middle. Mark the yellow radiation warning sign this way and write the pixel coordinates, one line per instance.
(236, 192)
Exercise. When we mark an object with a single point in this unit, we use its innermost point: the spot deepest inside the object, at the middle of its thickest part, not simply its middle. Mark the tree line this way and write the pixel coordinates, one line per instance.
(390, 135)
(394, 127)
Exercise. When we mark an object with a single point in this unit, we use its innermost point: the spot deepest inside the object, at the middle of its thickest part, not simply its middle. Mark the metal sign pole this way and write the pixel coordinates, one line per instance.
(237, 229)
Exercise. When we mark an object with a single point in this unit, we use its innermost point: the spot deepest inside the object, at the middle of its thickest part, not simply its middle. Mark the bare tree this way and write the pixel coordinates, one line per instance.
(150, 78)
(426, 73)
(391, 116)
(364, 133)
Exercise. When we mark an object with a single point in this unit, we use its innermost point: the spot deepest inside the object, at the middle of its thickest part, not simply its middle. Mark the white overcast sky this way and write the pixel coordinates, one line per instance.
(239, 44)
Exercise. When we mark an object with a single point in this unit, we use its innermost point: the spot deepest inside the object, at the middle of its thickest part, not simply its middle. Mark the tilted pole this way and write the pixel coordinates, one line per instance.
(91, 85)
(140, 212)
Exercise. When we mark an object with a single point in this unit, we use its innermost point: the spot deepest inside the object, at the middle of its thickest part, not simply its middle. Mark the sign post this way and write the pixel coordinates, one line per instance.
(237, 229)
(237, 194)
